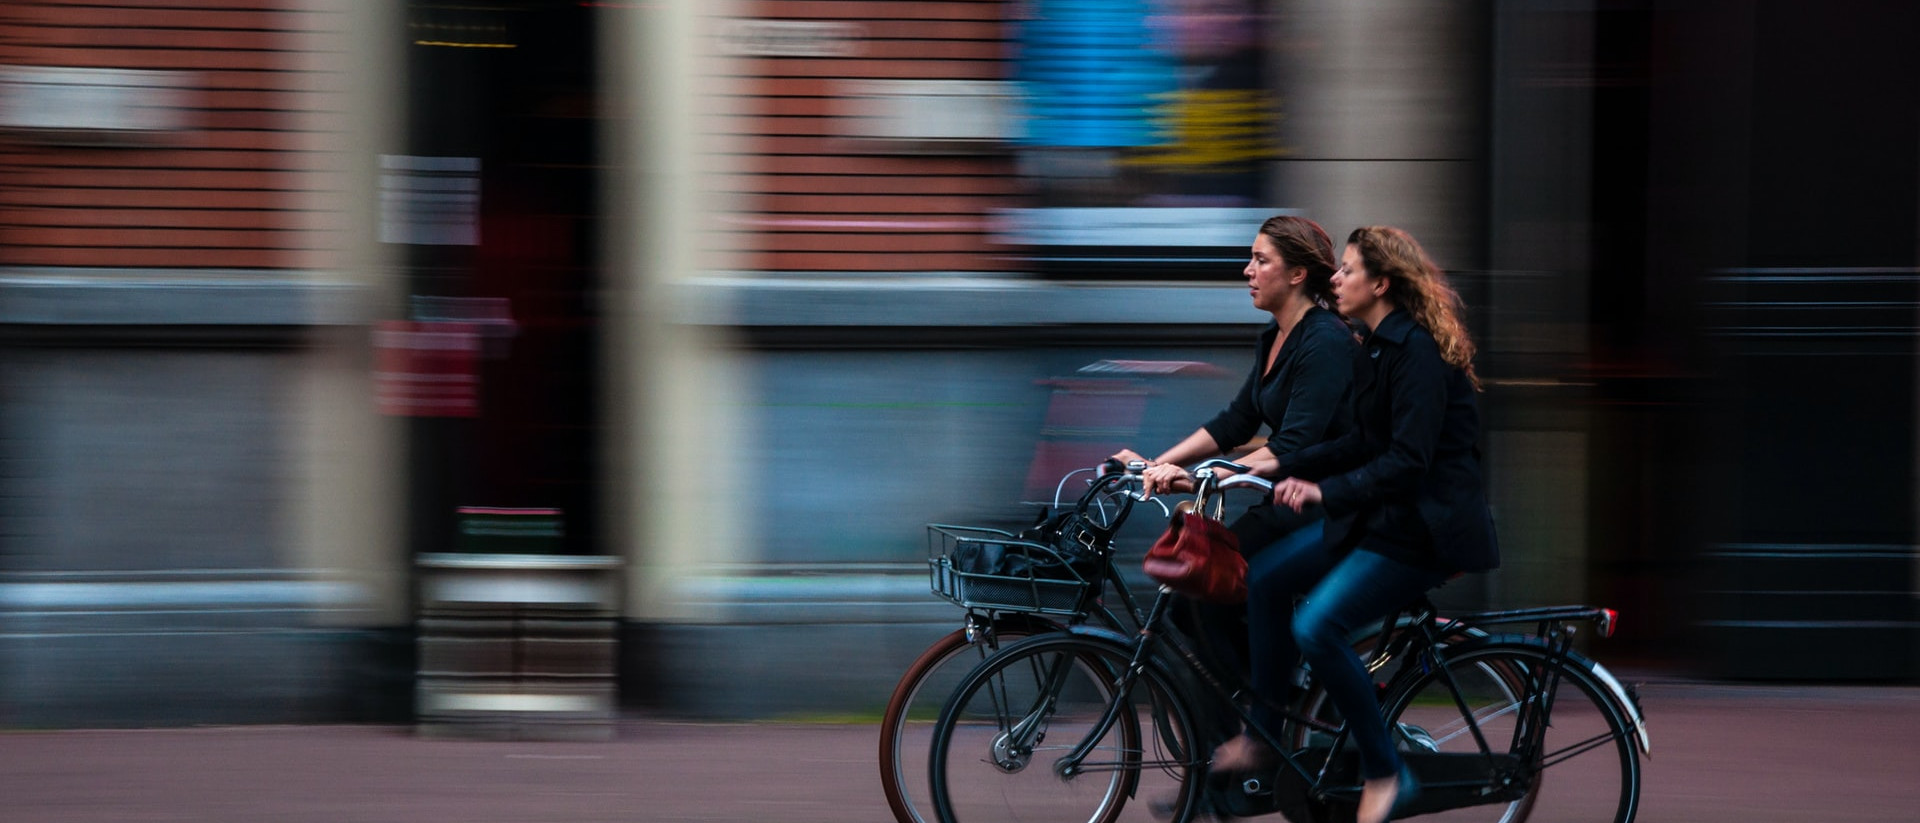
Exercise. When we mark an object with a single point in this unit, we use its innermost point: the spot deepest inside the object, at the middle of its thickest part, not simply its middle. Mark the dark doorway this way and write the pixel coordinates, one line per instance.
(510, 87)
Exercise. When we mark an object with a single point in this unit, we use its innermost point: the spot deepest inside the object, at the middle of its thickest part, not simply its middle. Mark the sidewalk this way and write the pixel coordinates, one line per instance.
(1720, 753)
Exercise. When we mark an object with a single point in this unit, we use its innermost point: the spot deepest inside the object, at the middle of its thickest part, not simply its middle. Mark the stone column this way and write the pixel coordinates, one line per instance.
(1382, 118)
(671, 447)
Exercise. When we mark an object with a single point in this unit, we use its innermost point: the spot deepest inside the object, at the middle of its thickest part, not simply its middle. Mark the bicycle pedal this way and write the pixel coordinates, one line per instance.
(1242, 796)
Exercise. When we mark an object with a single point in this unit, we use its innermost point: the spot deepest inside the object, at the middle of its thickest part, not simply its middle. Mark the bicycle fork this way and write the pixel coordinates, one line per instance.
(1013, 748)
(1069, 764)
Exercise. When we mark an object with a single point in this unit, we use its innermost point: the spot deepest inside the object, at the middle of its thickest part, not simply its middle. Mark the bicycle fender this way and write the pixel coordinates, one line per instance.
(1101, 633)
(1627, 702)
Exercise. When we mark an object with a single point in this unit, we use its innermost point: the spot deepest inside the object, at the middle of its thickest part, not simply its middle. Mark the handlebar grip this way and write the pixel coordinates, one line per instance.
(1220, 462)
(1248, 481)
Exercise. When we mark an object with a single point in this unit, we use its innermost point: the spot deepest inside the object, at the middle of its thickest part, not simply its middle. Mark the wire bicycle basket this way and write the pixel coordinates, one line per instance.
(982, 568)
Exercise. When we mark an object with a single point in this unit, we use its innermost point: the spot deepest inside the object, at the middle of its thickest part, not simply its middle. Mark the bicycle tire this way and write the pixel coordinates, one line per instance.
(914, 706)
(1584, 726)
(979, 770)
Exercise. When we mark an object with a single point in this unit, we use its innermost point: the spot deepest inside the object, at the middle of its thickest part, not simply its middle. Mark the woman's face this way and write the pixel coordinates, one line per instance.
(1356, 293)
(1269, 278)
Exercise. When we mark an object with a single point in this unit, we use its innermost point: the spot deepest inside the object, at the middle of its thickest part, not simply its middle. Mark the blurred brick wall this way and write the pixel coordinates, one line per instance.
(811, 199)
(224, 191)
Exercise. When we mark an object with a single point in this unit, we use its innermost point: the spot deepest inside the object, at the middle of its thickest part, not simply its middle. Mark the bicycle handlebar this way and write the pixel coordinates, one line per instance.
(1129, 475)
(1112, 477)
(1112, 473)
(1246, 481)
(1219, 462)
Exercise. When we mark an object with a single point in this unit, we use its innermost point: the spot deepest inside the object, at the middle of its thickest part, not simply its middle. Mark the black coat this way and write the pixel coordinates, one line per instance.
(1305, 399)
(1409, 470)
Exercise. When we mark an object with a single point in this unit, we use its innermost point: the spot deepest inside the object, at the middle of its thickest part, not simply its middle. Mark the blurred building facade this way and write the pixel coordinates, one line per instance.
(750, 291)
(197, 484)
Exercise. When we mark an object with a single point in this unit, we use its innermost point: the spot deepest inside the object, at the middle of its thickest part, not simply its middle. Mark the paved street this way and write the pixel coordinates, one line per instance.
(1721, 753)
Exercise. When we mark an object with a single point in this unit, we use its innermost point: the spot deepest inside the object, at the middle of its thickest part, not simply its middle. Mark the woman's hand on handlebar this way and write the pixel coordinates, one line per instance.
(1296, 494)
(1157, 478)
(1166, 478)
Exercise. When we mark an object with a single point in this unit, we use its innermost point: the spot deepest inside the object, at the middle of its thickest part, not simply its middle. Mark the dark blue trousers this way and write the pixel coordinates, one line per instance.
(1342, 593)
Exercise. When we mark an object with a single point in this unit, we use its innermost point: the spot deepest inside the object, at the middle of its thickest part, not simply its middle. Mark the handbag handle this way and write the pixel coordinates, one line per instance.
(1205, 491)
(1189, 507)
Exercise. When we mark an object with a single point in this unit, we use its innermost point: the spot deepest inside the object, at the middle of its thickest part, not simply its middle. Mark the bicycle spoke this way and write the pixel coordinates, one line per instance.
(1116, 765)
(1569, 752)
(1481, 717)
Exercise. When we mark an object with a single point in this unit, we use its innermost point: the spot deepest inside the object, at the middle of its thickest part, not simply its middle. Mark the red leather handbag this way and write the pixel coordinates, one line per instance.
(1198, 557)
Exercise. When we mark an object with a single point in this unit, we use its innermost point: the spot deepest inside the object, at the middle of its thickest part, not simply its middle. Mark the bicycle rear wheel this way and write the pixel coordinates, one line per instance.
(1316, 704)
(999, 748)
(906, 730)
(1586, 769)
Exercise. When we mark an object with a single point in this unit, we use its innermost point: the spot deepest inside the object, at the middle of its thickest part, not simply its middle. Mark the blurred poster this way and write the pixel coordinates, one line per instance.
(1135, 105)
(1092, 72)
(429, 201)
(426, 369)
(1145, 102)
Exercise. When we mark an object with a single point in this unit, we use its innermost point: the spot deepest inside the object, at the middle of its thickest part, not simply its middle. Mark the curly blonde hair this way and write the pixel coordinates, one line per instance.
(1417, 285)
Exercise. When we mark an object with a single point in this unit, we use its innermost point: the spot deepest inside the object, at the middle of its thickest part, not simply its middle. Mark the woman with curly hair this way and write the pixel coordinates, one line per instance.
(1402, 488)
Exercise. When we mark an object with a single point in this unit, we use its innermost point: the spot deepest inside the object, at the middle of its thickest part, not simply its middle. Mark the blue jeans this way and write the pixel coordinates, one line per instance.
(1221, 629)
(1342, 594)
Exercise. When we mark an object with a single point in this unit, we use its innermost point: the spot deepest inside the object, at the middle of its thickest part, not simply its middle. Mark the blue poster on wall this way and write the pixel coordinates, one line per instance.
(1092, 72)
(1146, 123)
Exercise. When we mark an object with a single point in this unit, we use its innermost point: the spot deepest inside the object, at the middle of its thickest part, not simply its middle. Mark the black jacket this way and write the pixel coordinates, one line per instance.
(1409, 469)
(1305, 399)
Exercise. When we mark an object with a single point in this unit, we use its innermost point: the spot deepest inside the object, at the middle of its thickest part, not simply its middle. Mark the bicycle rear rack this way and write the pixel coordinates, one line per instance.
(1605, 619)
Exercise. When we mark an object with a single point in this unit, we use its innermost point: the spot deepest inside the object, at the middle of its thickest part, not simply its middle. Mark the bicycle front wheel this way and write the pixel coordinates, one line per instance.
(1508, 731)
(906, 730)
(1051, 731)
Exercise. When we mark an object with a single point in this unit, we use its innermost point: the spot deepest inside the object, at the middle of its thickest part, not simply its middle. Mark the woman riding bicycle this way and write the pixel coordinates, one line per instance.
(1298, 388)
(1403, 488)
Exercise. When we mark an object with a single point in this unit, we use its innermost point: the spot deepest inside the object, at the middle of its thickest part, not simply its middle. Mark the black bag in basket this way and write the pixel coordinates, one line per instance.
(1071, 533)
(1076, 540)
(1017, 560)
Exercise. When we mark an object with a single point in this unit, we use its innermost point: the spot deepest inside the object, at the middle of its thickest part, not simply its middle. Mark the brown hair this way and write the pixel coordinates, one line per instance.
(1303, 244)
(1418, 286)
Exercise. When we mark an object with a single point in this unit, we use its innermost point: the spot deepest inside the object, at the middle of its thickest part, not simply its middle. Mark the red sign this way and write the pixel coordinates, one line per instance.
(426, 369)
